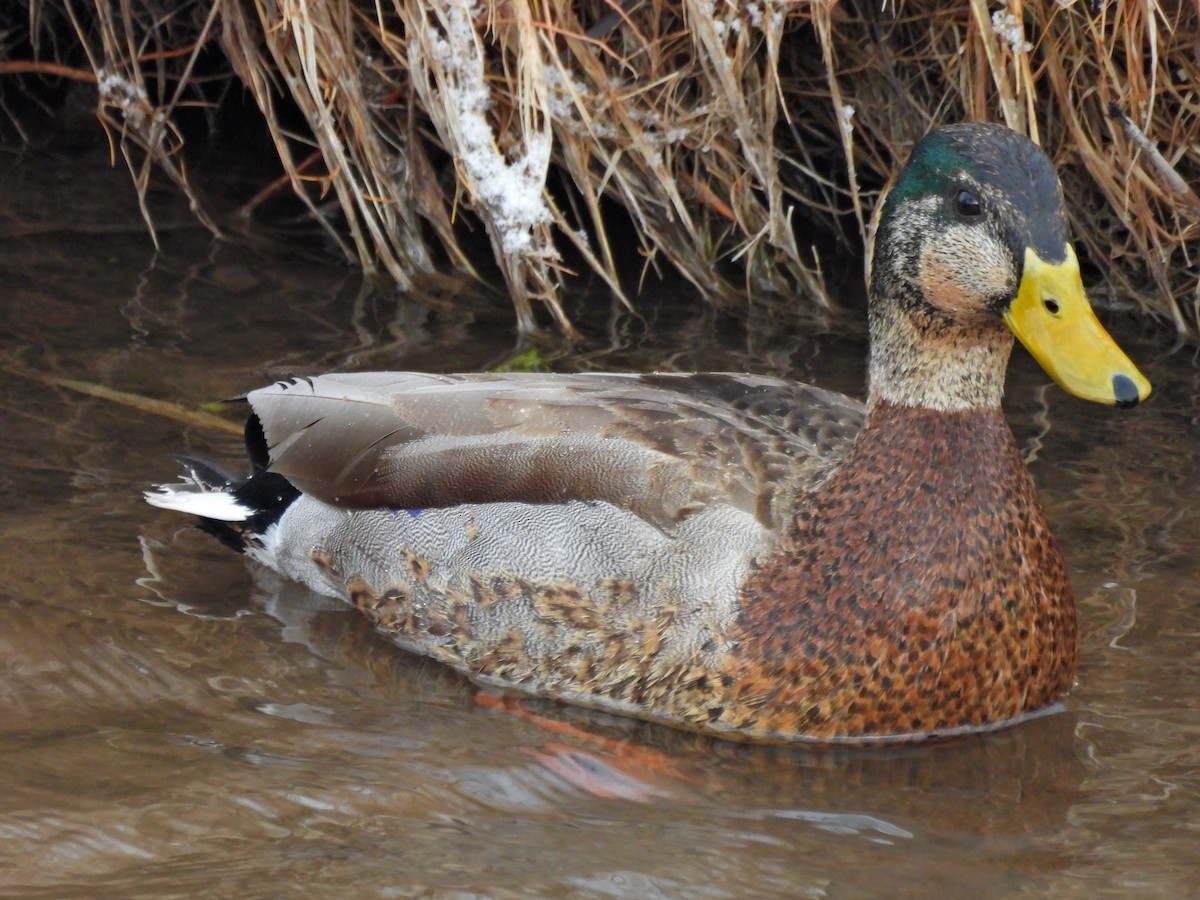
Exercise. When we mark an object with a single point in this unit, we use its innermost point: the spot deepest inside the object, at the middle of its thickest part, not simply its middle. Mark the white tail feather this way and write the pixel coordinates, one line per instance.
(199, 500)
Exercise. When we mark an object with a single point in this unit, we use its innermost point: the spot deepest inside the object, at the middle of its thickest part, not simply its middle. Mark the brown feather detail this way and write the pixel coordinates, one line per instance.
(920, 590)
(661, 446)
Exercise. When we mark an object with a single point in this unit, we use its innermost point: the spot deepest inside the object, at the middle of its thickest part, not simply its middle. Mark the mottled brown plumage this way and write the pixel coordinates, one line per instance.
(980, 630)
(735, 554)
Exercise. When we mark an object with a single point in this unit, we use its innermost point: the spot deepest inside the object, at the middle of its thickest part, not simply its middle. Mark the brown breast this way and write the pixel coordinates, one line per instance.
(920, 589)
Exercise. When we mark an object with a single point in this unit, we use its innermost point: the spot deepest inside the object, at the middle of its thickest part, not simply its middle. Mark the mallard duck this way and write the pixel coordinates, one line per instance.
(740, 555)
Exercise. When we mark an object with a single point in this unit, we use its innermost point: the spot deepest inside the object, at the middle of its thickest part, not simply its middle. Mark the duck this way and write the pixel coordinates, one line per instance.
(739, 555)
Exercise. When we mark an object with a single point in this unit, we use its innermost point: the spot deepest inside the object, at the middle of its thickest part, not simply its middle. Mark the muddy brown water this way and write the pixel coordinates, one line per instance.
(173, 722)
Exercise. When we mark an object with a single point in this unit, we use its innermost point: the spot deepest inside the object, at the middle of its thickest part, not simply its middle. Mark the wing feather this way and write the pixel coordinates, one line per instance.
(658, 445)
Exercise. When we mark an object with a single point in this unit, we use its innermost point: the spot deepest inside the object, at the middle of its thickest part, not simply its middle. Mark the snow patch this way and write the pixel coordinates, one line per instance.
(1010, 30)
(511, 190)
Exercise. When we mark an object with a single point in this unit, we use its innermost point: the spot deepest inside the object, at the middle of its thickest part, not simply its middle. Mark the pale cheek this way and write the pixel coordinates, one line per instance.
(961, 272)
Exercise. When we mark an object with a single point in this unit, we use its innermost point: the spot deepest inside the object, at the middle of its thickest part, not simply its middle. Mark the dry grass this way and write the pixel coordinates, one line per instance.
(703, 133)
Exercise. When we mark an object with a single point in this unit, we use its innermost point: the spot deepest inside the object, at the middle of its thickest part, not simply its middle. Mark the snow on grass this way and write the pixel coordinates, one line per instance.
(1010, 30)
(510, 190)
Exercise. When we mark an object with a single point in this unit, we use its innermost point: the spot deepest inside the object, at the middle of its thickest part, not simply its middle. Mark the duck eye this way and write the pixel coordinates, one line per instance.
(967, 204)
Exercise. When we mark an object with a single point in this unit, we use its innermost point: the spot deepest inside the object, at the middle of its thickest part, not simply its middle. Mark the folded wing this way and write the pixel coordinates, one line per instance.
(658, 445)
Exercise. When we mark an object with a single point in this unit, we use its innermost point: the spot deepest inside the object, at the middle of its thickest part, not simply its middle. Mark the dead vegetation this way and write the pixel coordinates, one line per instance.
(703, 134)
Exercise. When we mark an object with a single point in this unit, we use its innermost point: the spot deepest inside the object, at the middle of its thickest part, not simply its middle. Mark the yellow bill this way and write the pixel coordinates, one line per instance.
(1053, 319)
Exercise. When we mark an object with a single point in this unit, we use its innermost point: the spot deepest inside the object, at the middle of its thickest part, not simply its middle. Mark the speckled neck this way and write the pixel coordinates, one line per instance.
(922, 359)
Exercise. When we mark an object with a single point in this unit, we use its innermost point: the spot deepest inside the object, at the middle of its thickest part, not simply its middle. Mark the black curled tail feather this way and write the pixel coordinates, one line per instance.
(265, 494)
(256, 445)
(260, 499)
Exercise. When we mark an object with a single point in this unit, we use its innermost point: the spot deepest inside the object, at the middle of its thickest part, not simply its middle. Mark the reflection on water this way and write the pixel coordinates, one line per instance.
(174, 722)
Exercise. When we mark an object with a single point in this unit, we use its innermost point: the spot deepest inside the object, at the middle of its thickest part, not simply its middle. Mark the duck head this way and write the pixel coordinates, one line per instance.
(971, 248)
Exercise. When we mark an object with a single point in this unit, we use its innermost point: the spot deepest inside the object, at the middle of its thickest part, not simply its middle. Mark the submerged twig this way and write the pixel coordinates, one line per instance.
(194, 417)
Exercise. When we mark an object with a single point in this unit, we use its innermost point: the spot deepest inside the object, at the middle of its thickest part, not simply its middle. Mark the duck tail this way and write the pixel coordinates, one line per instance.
(236, 511)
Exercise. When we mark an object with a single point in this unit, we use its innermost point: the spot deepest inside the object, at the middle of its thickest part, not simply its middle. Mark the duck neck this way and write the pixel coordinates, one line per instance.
(922, 358)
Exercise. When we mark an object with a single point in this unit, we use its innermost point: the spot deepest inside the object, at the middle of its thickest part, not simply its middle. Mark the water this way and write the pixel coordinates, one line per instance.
(173, 722)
